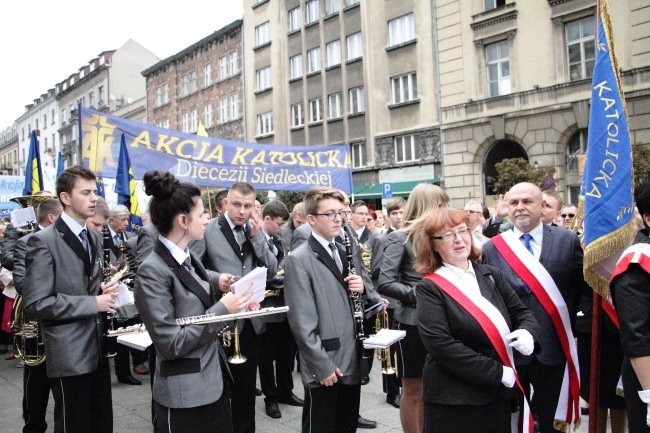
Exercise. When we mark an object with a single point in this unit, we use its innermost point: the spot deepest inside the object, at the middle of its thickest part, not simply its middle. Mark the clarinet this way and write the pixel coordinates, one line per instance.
(357, 303)
(108, 348)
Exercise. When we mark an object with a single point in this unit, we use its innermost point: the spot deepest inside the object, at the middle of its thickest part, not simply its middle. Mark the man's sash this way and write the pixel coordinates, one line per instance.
(493, 324)
(540, 282)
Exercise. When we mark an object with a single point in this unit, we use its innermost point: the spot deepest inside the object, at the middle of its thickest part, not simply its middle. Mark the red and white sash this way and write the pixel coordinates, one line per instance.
(493, 324)
(540, 282)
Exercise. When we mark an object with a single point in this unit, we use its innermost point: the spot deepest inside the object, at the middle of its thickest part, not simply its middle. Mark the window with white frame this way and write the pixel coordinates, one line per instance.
(194, 120)
(223, 109)
(296, 66)
(263, 78)
(53, 114)
(493, 4)
(263, 33)
(207, 75)
(498, 68)
(312, 11)
(576, 147)
(185, 122)
(165, 124)
(188, 83)
(357, 101)
(234, 62)
(359, 157)
(207, 115)
(165, 93)
(334, 53)
(405, 149)
(580, 47)
(332, 6)
(351, 2)
(223, 67)
(335, 102)
(405, 88)
(297, 115)
(355, 46)
(315, 111)
(401, 30)
(265, 123)
(64, 118)
(101, 93)
(295, 19)
(91, 99)
(234, 106)
(313, 57)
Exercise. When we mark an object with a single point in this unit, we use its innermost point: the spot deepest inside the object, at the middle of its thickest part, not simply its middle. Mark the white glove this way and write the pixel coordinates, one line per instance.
(522, 341)
(645, 397)
(508, 377)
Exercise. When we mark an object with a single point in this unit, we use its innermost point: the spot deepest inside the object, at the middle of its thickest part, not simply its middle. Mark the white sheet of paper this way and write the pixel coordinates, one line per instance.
(22, 217)
(138, 341)
(124, 296)
(383, 339)
(258, 277)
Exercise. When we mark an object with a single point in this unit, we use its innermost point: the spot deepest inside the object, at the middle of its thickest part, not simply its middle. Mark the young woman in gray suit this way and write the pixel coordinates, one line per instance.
(191, 385)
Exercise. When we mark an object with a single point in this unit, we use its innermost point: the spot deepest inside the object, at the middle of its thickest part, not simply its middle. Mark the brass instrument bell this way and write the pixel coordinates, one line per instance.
(381, 322)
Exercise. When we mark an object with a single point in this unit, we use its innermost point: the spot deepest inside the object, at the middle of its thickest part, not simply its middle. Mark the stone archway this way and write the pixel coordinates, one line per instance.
(500, 150)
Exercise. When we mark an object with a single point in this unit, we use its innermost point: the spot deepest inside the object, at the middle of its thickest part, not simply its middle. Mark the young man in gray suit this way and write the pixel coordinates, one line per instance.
(63, 288)
(317, 290)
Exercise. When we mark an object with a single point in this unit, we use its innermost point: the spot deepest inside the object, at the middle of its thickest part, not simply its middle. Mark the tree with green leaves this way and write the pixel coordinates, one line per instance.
(516, 170)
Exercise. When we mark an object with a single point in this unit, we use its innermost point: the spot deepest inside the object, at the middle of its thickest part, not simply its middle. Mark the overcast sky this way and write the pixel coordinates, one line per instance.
(42, 42)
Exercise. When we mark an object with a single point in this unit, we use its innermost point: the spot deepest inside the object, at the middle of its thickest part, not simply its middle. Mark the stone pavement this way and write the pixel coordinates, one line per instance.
(132, 406)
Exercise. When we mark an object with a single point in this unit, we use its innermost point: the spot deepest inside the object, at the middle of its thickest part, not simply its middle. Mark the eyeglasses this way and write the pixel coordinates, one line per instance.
(449, 236)
(570, 215)
(332, 215)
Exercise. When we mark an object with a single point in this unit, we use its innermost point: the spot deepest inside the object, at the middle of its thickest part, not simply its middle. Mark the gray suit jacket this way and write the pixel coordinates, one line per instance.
(562, 257)
(60, 286)
(398, 279)
(376, 259)
(368, 237)
(220, 253)
(320, 314)
(286, 234)
(146, 239)
(19, 252)
(188, 369)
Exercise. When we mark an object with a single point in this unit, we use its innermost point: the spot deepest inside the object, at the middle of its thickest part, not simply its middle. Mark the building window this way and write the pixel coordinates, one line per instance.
(401, 30)
(207, 115)
(405, 88)
(91, 99)
(351, 2)
(263, 78)
(498, 68)
(315, 111)
(223, 67)
(359, 157)
(334, 53)
(165, 93)
(331, 6)
(185, 124)
(576, 147)
(188, 83)
(357, 102)
(296, 66)
(265, 123)
(262, 34)
(194, 120)
(297, 115)
(234, 106)
(234, 66)
(207, 75)
(493, 4)
(158, 96)
(405, 149)
(223, 108)
(295, 19)
(45, 118)
(313, 56)
(52, 116)
(581, 48)
(335, 103)
(355, 46)
(101, 93)
(312, 11)
(64, 118)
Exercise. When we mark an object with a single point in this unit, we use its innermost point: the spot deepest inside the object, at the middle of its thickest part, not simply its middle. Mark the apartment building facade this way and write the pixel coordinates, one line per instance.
(42, 116)
(202, 82)
(9, 151)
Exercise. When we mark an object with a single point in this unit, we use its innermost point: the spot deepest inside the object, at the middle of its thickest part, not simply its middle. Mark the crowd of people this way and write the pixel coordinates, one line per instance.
(491, 304)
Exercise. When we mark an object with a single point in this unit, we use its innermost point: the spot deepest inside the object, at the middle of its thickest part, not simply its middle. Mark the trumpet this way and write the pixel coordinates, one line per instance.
(383, 355)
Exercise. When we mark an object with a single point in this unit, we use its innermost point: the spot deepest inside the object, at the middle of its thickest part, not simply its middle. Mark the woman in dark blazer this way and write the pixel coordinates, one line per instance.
(191, 379)
(467, 386)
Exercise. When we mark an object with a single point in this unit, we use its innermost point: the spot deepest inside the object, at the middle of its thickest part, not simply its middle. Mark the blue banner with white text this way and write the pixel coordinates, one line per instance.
(207, 161)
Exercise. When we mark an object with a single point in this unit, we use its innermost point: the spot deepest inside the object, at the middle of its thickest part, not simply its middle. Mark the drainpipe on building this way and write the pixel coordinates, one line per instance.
(436, 59)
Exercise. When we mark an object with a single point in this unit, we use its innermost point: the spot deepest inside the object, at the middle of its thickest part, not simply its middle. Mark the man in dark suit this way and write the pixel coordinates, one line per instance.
(359, 220)
(36, 385)
(63, 288)
(558, 251)
(232, 247)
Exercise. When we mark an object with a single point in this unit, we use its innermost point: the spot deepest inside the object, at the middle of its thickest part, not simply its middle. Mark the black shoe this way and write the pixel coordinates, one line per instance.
(394, 400)
(365, 380)
(366, 423)
(273, 410)
(292, 400)
(584, 411)
(257, 392)
(129, 380)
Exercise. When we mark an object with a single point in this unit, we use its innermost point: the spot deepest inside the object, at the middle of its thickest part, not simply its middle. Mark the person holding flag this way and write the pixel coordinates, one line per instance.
(126, 189)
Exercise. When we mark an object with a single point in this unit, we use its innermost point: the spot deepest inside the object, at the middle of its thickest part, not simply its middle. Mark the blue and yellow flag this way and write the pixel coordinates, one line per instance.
(33, 171)
(607, 179)
(126, 189)
(101, 189)
(60, 165)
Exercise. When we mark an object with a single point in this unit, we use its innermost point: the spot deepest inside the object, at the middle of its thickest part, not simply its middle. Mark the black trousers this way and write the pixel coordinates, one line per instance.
(277, 344)
(122, 367)
(210, 418)
(636, 409)
(331, 409)
(547, 383)
(36, 392)
(83, 403)
(244, 376)
(490, 418)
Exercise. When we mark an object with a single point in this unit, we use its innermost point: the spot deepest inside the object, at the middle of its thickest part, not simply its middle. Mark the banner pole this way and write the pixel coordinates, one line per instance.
(594, 373)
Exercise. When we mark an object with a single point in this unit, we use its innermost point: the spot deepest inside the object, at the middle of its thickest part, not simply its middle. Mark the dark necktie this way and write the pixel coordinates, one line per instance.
(335, 256)
(188, 264)
(84, 241)
(240, 236)
(526, 237)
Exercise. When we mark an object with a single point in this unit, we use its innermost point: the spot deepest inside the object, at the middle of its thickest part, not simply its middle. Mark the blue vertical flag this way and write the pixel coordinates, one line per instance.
(99, 181)
(607, 179)
(126, 189)
(33, 172)
(60, 165)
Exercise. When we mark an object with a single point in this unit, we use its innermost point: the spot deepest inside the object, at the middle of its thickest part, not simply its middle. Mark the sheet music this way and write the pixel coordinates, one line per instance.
(138, 341)
(258, 277)
(383, 339)
(124, 296)
(22, 217)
